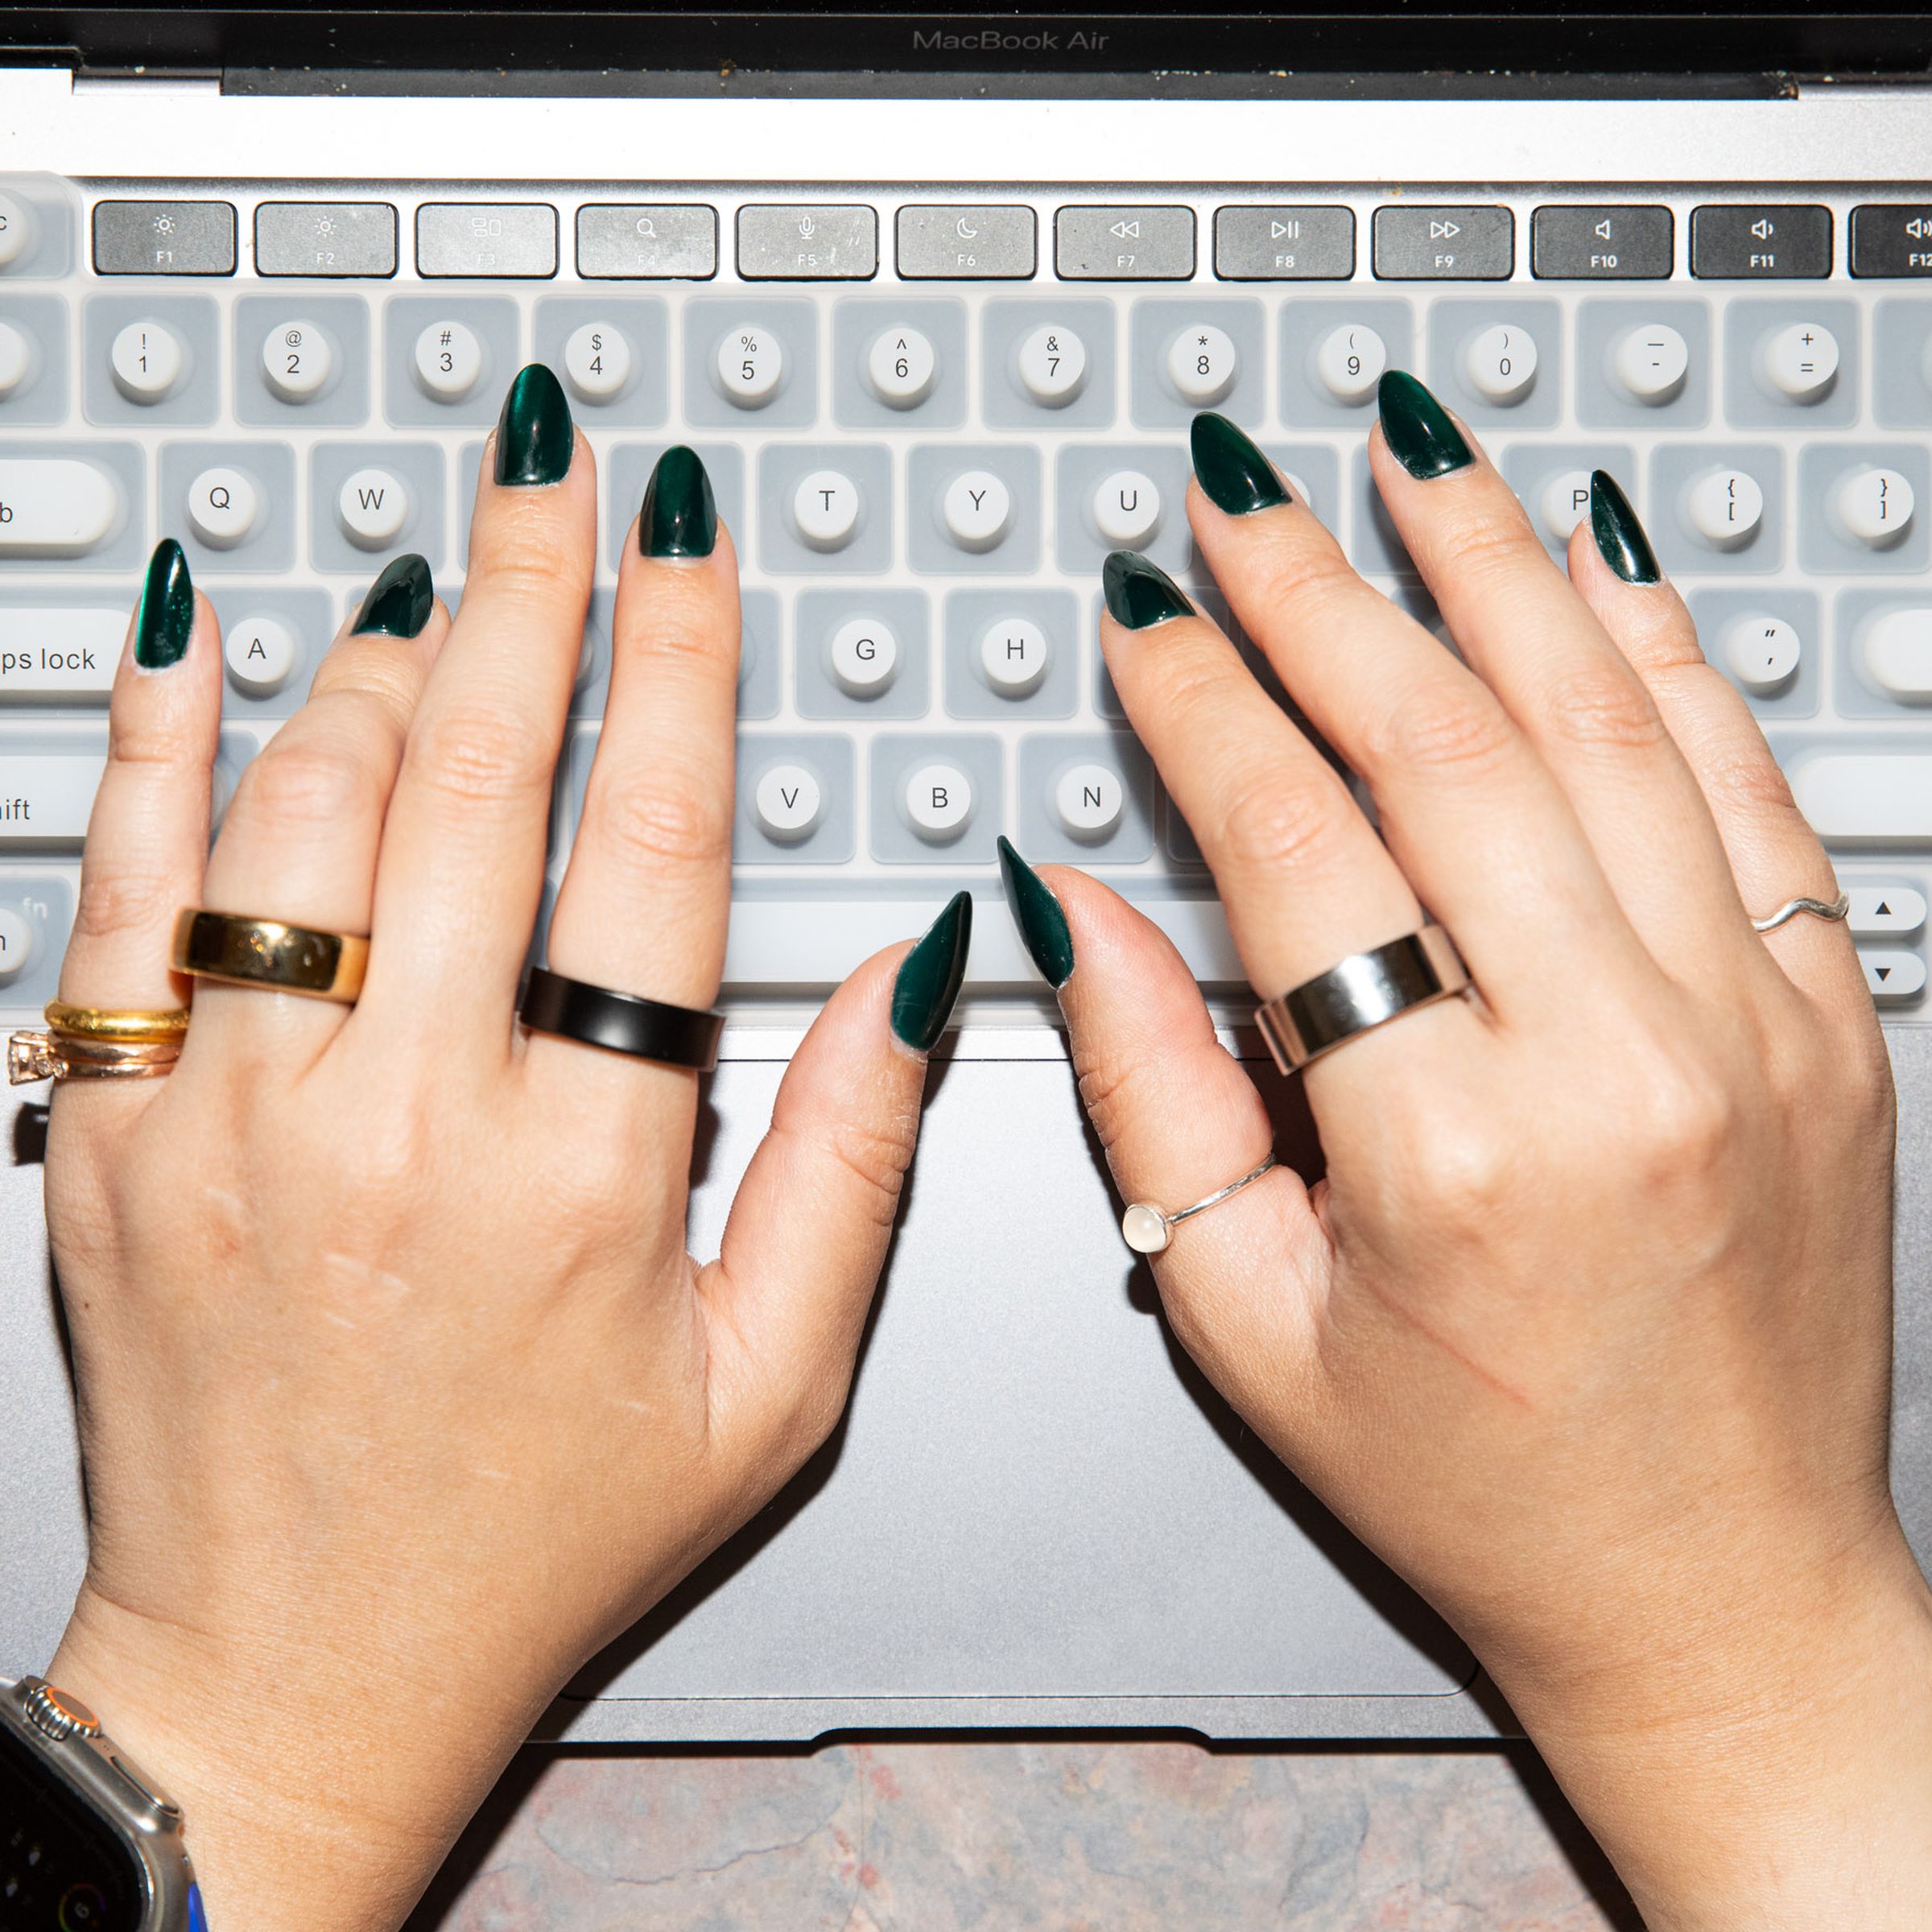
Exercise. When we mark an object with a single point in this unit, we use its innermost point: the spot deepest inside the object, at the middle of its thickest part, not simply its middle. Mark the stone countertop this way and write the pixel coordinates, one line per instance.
(1064, 1834)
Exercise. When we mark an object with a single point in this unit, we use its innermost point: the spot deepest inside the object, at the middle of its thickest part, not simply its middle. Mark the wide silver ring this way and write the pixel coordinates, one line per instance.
(1818, 909)
(1147, 1229)
(1365, 990)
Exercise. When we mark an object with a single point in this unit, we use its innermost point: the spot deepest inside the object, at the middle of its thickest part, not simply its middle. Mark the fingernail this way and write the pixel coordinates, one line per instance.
(929, 976)
(1140, 594)
(399, 601)
(1620, 537)
(165, 620)
(535, 437)
(1037, 915)
(680, 517)
(1236, 476)
(1417, 430)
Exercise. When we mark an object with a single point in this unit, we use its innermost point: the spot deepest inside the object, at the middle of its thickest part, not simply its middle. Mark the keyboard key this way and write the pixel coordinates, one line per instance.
(164, 238)
(790, 802)
(261, 655)
(1499, 364)
(148, 362)
(222, 506)
(1013, 657)
(372, 507)
(647, 241)
(1349, 362)
(1897, 650)
(781, 243)
(448, 361)
(1871, 506)
(1202, 365)
(46, 795)
(1089, 800)
(17, 359)
(1614, 244)
(16, 230)
(1123, 244)
(18, 943)
(901, 367)
(1892, 240)
(938, 801)
(1725, 507)
(1444, 244)
(66, 652)
(977, 508)
(968, 243)
(1748, 241)
(1867, 798)
(1649, 362)
(1877, 910)
(297, 360)
(865, 657)
(825, 510)
(1127, 509)
(1053, 365)
(1762, 653)
(1284, 244)
(325, 239)
(53, 506)
(486, 240)
(1799, 363)
(597, 361)
(1893, 976)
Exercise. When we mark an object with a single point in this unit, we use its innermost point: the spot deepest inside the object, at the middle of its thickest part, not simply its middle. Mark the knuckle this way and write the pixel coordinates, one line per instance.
(673, 821)
(1302, 574)
(527, 555)
(297, 783)
(1751, 782)
(1273, 824)
(1689, 1113)
(1492, 544)
(479, 755)
(1602, 707)
(115, 903)
(1462, 1180)
(1442, 730)
(875, 1158)
(169, 744)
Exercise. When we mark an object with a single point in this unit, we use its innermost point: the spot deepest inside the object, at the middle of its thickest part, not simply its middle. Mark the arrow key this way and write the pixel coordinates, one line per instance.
(1880, 909)
(1894, 977)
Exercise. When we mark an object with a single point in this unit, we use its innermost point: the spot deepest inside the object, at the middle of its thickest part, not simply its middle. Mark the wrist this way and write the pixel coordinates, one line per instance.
(315, 1797)
(1774, 1775)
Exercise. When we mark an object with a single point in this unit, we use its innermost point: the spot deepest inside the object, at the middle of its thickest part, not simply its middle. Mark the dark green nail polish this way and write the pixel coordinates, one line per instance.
(929, 976)
(1417, 430)
(679, 518)
(1236, 476)
(399, 601)
(1619, 535)
(535, 437)
(1140, 594)
(1037, 915)
(166, 619)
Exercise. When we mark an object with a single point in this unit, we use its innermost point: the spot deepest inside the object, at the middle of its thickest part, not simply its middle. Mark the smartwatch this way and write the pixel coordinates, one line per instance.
(88, 1841)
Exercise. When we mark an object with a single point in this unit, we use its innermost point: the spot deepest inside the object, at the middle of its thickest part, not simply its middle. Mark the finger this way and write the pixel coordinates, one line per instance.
(786, 1300)
(1303, 879)
(1520, 626)
(300, 840)
(645, 898)
(148, 837)
(1771, 853)
(461, 870)
(1469, 811)
(1244, 1281)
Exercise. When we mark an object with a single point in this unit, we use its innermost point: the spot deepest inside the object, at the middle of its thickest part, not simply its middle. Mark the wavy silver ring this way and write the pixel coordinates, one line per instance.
(1147, 1229)
(1818, 909)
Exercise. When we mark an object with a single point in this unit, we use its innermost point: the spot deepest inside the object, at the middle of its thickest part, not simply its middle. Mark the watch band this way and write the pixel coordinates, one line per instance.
(86, 1836)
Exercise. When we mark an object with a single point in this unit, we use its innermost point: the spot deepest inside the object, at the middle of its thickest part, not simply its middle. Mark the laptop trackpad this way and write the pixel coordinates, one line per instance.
(1034, 1493)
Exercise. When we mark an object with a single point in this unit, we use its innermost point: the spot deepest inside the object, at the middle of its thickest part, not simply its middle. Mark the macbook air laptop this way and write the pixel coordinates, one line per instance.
(264, 273)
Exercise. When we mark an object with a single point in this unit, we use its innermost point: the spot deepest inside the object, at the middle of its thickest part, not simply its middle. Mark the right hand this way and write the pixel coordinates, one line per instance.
(399, 1394)
(1586, 1330)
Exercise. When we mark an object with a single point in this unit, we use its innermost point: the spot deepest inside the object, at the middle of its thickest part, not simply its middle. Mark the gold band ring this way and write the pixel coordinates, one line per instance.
(62, 1056)
(133, 1026)
(235, 949)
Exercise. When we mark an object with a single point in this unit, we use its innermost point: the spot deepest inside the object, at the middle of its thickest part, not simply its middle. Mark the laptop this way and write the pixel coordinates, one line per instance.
(287, 259)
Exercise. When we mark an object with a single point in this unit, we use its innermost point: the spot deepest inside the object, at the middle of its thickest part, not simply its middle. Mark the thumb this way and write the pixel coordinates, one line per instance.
(1243, 1283)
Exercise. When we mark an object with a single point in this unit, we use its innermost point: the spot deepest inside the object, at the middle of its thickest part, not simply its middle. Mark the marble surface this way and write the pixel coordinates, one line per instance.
(1076, 1835)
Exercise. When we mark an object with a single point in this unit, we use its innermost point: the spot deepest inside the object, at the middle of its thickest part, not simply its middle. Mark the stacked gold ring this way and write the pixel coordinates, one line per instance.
(97, 1043)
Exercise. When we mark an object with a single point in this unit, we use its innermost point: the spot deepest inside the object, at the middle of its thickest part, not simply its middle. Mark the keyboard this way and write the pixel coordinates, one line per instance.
(927, 420)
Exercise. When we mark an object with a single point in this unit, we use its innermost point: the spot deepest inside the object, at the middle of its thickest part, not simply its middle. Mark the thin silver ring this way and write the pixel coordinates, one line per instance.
(1147, 1229)
(1818, 909)
(1365, 990)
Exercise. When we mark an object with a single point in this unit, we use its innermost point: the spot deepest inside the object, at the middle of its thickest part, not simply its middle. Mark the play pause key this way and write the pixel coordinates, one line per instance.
(1600, 243)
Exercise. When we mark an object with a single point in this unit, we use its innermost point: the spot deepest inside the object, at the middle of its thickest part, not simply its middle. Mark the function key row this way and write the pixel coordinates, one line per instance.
(789, 241)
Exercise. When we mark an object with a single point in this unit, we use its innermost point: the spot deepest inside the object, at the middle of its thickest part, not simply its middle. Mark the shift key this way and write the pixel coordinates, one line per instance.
(47, 795)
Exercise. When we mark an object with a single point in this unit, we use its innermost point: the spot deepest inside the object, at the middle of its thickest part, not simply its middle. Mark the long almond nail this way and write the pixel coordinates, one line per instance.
(164, 621)
(929, 977)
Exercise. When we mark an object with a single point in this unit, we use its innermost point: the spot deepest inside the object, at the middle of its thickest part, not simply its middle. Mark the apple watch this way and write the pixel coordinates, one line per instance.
(88, 1841)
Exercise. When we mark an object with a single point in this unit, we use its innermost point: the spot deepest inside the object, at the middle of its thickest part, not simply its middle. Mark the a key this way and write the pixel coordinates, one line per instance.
(901, 367)
(1893, 975)
(1202, 365)
(751, 365)
(297, 360)
(45, 797)
(825, 510)
(1872, 506)
(1127, 509)
(1866, 797)
(1897, 650)
(260, 654)
(1762, 653)
(1650, 362)
(938, 802)
(1726, 508)
(148, 362)
(1053, 365)
(1013, 657)
(16, 947)
(53, 506)
(1349, 362)
(16, 359)
(372, 507)
(1499, 364)
(222, 506)
(16, 229)
(977, 507)
(1564, 503)
(448, 361)
(1877, 910)
(597, 361)
(59, 652)
(1089, 799)
(788, 802)
(865, 657)
(1799, 363)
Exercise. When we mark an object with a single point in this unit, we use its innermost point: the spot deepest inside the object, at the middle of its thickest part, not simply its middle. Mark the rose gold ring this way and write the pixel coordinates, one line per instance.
(61, 1056)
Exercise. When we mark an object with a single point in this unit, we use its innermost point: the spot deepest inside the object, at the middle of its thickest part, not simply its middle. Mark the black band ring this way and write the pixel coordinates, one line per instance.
(647, 1030)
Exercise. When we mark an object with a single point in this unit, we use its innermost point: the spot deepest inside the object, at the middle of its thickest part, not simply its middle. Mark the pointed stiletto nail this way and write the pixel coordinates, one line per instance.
(1236, 476)
(1036, 913)
(535, 437)
(679, 516)
(1417, 430)
(164, 621)
(929, 977)
(399, 601)
(1620, 537)
(1140, 594)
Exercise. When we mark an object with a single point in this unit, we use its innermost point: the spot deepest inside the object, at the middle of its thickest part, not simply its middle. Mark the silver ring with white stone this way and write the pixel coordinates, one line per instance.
(1147, 1229)
(1818, 909)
